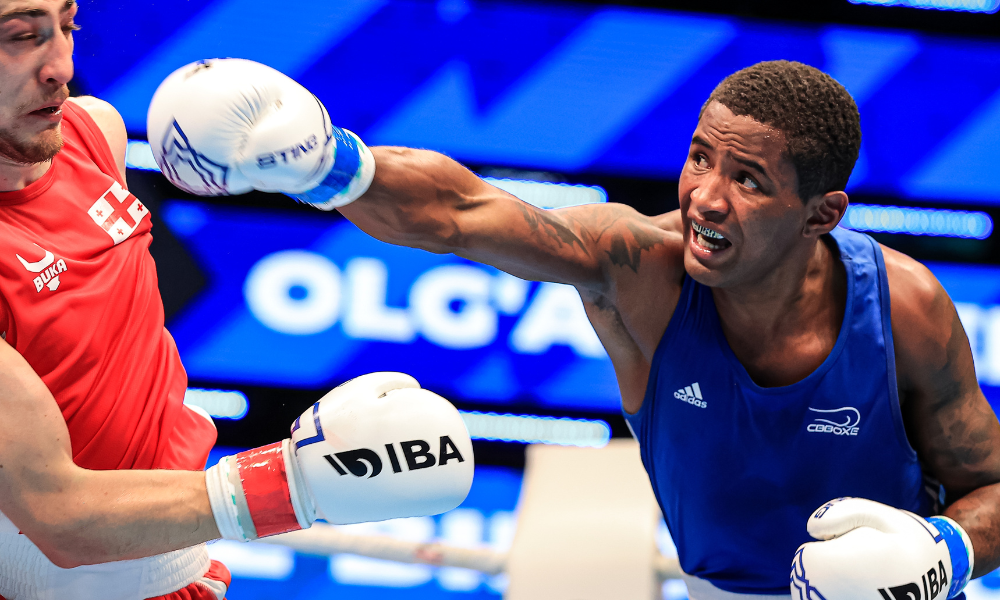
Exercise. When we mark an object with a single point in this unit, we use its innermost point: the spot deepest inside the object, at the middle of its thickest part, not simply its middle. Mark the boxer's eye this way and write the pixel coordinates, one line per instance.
(22, 35)
(747, 181)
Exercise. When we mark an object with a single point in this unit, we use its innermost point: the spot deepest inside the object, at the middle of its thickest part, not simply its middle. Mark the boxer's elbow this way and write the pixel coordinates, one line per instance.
(60, 525)
(66, 542)
(61, 555)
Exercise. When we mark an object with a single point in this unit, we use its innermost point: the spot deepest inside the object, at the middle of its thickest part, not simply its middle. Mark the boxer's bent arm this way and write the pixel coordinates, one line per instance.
(425, 200)
(948, 420)
(76, 516)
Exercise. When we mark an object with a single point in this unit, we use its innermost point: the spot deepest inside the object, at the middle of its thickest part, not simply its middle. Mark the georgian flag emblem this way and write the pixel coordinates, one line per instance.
(118, 212)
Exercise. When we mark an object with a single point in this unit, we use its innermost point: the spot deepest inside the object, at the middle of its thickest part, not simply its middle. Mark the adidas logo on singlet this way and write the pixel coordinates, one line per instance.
(692, 395)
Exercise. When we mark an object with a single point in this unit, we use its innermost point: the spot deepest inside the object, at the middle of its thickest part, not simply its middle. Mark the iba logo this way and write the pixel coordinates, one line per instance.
(417, 454)
(367, 463)
(934, 581)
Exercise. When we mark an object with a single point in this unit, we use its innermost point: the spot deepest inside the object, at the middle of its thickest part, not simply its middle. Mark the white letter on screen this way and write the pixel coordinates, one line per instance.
(470, 324)
(367, 315)
(294, 291)
(556, 316)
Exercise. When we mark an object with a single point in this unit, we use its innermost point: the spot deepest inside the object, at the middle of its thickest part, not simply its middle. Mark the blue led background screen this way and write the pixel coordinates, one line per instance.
(563, 87)
(305, 301)
(300, 300)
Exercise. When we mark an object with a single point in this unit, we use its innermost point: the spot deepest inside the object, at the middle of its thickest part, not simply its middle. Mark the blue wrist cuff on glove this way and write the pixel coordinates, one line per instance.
(346, 164)
(961, 570)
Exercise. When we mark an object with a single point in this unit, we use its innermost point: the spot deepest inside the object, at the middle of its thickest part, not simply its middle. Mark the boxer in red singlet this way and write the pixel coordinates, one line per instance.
(102, 493)
(81, 313)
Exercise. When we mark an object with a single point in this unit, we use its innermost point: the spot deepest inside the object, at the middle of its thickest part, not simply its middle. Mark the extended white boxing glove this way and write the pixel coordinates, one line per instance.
(377, 447)
(875, 552)
(227, 126)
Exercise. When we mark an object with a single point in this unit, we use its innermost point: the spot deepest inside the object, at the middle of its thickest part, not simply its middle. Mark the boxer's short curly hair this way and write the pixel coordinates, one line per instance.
(817, 115)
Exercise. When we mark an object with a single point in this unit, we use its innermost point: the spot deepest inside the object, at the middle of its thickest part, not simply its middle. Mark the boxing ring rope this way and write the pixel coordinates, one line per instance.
(586, 530)
(325, 540)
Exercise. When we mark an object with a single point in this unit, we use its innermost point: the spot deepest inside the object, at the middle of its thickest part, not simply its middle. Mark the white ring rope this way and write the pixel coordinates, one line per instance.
(325, 540)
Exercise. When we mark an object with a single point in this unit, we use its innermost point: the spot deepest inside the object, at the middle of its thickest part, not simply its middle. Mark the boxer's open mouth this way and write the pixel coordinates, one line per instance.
(51, 111)
(709, 239)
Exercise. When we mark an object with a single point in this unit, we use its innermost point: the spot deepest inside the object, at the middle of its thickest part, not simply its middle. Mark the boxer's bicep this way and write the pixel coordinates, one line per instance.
(948, 420)
(76, 516)
(35, 455)
(954, 430)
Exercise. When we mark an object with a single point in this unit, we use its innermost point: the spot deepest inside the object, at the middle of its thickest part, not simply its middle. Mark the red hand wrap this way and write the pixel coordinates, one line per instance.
(265, 485)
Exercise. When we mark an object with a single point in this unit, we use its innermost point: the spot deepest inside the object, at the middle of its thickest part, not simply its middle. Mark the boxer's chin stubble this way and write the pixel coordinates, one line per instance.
(38, 148)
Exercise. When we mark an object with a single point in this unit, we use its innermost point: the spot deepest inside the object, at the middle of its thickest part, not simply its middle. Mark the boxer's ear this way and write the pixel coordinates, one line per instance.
(824, 212)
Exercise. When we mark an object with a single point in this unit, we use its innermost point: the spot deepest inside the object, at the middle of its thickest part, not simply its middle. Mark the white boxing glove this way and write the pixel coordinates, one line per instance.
(875, 552)
(377, 447)
(227, 126)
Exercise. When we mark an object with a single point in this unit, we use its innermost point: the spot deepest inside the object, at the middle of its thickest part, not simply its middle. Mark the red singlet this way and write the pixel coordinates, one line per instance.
(79, 301)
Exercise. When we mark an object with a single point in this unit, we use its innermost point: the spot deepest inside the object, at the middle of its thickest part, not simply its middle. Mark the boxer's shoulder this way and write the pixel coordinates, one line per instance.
(111, 124)
(920, 307)
(647, 260)
(642, 258)
(638, 247)
(932, 355)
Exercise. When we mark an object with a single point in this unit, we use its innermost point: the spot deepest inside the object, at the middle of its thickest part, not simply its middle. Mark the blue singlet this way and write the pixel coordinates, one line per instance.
(738, 469)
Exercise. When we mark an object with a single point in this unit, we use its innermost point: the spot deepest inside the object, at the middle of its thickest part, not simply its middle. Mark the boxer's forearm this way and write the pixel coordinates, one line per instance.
(103, 516)
(979, 514)
(417, 198)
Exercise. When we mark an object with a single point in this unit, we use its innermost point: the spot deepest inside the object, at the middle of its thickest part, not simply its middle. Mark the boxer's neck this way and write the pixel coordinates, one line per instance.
(788, 321)
(16, 176)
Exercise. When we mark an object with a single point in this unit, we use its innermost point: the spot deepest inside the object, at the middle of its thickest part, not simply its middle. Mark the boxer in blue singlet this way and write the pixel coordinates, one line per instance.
(769, 362)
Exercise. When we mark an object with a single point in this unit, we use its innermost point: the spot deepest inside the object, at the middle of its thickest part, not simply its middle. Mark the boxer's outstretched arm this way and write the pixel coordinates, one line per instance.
(948, 420)
(76, 516)
(247, 113)
(426, 200)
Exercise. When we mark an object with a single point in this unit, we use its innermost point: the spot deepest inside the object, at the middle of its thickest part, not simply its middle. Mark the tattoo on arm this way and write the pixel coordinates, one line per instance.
(626, 253)
(624, 247)
(545, 223)
(955, 431)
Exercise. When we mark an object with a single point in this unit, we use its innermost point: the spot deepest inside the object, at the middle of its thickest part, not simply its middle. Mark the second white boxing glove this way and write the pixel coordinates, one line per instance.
(377, 447)
(871, 551)
(227, 126)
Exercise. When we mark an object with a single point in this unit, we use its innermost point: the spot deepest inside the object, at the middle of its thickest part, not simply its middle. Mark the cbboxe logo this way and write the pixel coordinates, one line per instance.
(416, 453)
(838, 421)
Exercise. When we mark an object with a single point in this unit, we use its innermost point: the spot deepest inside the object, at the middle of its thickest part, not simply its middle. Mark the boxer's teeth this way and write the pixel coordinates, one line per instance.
(704, 243)
(708, 238)
(708, 233)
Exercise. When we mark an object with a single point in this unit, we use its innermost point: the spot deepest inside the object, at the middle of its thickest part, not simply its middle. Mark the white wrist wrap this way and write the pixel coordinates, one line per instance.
(222, 495)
